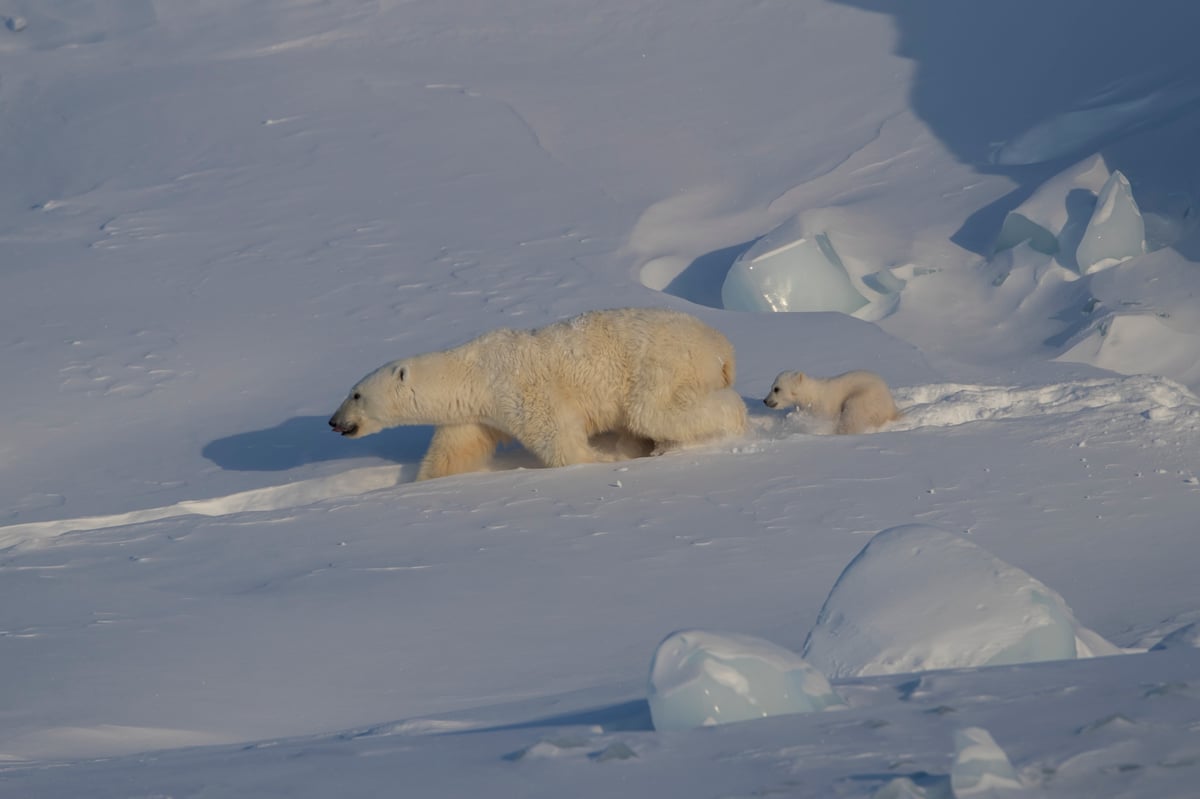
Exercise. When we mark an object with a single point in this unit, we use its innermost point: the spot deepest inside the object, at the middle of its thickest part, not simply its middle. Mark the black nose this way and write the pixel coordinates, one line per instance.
(332, 423)
(768, 403)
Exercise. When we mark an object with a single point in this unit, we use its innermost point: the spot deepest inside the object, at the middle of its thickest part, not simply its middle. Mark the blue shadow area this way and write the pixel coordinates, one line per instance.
(631, 716)
(700, 282)
(986, 73)
(308, 439)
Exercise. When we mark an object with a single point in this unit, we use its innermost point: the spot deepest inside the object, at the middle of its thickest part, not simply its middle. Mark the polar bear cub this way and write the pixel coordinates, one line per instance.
(858, 401)
(649, 377)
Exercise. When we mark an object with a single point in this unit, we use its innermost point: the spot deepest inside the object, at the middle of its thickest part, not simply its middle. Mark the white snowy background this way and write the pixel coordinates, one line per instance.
(216, 216)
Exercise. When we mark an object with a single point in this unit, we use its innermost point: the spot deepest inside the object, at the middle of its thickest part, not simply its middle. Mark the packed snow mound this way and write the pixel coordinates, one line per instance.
(1110, 114)
(1139, 396)
(1129, 343)
(700, 678)
(918, 598)
(1186, 637)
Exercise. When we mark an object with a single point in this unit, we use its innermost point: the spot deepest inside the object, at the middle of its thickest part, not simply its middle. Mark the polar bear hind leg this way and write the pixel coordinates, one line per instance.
(459, 448)
(687, 417)
(863, 412)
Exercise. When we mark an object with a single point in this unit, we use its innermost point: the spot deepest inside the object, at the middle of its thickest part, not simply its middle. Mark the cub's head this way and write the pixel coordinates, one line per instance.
(787, 390)
(379, 400)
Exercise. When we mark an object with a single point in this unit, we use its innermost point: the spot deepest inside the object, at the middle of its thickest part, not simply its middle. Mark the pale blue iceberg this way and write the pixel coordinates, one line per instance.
(700, 678)
(1115, 232)
(981, 769)
(918, 597)
(788, 270)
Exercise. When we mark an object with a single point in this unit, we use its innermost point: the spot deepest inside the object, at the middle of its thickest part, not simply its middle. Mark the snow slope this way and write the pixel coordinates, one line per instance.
(215, 217)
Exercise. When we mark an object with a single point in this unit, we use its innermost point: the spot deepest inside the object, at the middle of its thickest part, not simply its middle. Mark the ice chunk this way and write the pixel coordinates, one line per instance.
(1055, 216)
(700, 678)
(1115, 232)
(789, 270)
(917, 597)
(981, 770)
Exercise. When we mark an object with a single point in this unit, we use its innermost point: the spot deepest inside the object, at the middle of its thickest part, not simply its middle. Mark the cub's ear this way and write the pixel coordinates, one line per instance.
(400, 372)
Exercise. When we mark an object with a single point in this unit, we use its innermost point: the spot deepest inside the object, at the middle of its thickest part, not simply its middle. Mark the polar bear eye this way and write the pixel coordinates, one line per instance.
(357, 395)
(775, 390)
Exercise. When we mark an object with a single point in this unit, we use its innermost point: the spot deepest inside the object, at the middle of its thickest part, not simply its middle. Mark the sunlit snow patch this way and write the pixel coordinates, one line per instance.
(282, 497)
(700, 678)
(790, 270)
(917, 598)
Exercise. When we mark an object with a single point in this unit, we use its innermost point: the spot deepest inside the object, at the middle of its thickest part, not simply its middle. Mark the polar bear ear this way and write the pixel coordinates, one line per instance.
(400, 372)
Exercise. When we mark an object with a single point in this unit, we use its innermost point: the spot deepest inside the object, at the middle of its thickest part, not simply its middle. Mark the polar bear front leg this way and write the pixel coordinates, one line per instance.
(459, 448)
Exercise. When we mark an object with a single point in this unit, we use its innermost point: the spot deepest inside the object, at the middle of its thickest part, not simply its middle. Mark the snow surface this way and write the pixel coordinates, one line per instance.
(214, 217)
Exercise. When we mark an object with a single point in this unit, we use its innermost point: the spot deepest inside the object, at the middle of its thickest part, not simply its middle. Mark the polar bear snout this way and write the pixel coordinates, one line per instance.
(770, 402)
(343, 428)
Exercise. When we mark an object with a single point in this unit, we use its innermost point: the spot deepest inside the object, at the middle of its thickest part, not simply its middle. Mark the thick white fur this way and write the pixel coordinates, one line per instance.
(858, 401)
(653, 378)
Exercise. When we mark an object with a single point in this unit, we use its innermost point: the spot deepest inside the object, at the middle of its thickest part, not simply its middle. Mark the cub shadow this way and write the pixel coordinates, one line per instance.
(308, 439)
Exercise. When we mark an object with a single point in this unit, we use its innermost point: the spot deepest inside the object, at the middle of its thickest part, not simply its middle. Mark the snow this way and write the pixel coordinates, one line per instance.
(701, 678)
(918, 598)
(214, 217)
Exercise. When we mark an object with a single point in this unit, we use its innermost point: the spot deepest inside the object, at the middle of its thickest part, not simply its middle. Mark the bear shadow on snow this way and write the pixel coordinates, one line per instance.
(306, 439)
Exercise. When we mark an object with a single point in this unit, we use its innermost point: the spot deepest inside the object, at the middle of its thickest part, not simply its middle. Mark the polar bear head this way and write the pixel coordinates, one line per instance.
(790, 388)
(373, 403)
(419, 390)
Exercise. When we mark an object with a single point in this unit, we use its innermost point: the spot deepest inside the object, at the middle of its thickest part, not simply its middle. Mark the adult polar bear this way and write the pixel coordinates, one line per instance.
(642, 373)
